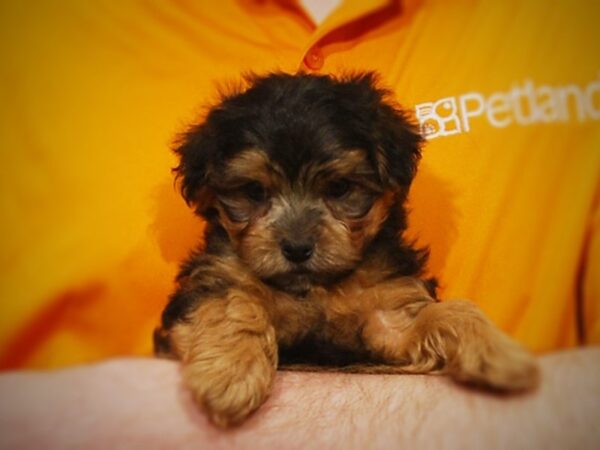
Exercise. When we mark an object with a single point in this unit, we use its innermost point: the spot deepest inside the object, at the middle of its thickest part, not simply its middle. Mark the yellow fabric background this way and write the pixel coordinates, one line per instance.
(92, 93)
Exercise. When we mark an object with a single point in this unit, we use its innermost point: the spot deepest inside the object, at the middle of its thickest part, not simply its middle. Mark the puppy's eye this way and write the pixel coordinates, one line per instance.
(338, 189)
(254, 191)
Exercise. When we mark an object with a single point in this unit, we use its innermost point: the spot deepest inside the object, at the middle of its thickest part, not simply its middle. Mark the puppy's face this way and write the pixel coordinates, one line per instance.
(310, 228)
(301, 171)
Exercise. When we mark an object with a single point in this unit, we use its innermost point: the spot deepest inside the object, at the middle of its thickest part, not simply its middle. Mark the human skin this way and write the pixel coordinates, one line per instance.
(140, 403)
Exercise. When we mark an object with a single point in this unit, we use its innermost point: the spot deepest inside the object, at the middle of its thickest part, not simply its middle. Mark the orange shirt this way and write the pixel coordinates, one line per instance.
(92, 93)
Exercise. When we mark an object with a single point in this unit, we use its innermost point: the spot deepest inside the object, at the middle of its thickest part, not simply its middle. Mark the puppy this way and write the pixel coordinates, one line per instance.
(302, 180)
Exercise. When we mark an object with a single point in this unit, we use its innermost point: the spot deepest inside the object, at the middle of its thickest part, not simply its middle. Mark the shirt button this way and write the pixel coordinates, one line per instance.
(314, 59)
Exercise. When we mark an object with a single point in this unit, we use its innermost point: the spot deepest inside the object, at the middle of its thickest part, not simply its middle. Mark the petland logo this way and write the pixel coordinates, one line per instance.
(524, 104)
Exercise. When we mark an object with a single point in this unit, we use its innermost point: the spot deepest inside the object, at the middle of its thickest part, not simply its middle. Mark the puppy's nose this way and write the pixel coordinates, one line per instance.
(297, 252)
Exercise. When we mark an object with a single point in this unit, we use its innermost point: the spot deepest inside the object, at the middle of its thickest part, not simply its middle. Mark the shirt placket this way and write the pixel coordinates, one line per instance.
(314, 55)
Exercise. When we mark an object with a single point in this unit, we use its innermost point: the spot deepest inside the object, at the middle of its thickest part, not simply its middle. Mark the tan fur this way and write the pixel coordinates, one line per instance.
(229, 353)
(229, 340)
(229, 345)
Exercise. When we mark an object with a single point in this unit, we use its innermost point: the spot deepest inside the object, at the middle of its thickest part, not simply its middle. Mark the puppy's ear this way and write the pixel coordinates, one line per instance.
(196, 149)
(204, 146)
(398, 145)
(396, 138)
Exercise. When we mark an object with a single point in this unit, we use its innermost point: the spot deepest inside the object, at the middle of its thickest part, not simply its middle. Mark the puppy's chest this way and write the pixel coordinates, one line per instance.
(295, 318)
(333, 315)
(321, 329)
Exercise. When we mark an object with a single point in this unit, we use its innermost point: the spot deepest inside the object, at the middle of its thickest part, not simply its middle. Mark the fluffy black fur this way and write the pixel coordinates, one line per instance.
(299, 118)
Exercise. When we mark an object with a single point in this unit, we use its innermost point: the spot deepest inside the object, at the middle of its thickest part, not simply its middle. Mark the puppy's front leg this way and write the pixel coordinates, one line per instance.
(229, 355)
(451, 337)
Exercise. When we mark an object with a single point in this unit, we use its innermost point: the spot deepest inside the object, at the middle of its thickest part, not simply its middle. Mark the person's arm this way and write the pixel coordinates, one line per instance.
(590, 280)
(140, 403)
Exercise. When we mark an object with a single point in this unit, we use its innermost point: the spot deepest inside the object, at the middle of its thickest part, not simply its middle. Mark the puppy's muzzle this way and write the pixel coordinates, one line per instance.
(298, 228)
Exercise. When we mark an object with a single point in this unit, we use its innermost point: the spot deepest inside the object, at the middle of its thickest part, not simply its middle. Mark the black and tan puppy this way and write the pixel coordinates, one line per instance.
(302, 179)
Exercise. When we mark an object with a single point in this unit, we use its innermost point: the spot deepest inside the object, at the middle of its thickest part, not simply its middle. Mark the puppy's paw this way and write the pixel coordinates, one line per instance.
(230, 390)
(497, 362)
(228, 349)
